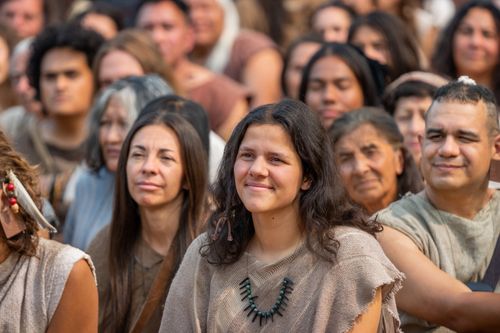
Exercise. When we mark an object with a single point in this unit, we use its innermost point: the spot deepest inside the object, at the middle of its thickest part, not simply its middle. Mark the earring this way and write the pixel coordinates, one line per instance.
(8, 189)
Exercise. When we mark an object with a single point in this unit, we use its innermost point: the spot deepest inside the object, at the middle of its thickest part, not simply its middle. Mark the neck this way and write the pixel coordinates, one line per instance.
(160, 225)
(373, 207)
(276, 235)
(65, 131)
(465, 204)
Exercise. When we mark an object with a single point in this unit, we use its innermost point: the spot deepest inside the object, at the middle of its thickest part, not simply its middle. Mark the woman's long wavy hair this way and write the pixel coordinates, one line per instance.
(26, 242)
(126, 221)
(322, 207)
(409, 180)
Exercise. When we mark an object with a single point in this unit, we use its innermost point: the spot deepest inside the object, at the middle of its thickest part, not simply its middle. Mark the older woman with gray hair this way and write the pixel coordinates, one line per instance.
(375, 166)
(113, 113)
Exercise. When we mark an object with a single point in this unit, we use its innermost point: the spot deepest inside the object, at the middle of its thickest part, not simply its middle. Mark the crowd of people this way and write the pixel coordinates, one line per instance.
(249, 165)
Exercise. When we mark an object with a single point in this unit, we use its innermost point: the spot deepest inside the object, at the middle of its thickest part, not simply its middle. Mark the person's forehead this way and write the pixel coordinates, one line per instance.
(63, 57)
(30, 6)
(455, 114)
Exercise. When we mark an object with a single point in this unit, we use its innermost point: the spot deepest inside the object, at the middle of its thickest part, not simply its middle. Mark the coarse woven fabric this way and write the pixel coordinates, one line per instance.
(31, 287)
(327, 296)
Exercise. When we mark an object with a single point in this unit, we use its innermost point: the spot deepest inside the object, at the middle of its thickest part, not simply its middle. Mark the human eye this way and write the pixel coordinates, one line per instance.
(489, 34)
(315, 86)
(245, 155)
(465, 30)
(72, 74)
(49, 76)
(344, 84)
(105, 123)
(434, 136)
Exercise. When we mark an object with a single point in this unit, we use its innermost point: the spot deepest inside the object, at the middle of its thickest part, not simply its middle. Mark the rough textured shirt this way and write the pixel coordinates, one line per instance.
(460, 247)
(327, 296)
(31, 287)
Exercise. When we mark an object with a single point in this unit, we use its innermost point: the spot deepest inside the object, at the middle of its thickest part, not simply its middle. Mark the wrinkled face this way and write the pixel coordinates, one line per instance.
(268, 171)
(298, 60)
(116, 65)
(373, 44)
(101, 24)
(369, 166)
(155, 170)
(168, 28)
(456, 149)
(409, 115)
(25, 17)
(25, 93)
(113, 128)
(4, 60)
(333, 89)
(66, 83)
(333, 24)
(208, 21)
(476, 44)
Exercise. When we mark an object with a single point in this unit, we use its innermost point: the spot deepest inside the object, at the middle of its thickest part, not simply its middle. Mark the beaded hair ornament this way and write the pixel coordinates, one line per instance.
(18, 197)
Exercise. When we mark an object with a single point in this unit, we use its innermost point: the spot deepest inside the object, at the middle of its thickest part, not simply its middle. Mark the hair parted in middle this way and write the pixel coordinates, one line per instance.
(410, 179)
(323, 206)
(126, 222)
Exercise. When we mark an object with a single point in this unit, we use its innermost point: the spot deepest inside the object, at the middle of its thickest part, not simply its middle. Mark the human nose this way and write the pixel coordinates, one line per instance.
(157, 34)
(258, 168)
(150, 165)
(330, 94)
(417, 125)
(114, 134)
(360, 165)
(449, 147)
(60, 82)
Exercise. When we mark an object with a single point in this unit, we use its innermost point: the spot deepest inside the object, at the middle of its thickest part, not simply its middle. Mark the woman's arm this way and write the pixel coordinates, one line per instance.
(77, 310)
(369, 321)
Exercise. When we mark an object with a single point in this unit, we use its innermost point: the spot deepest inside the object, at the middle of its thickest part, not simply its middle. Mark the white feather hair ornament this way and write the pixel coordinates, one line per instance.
(466, 80)
(27, 203)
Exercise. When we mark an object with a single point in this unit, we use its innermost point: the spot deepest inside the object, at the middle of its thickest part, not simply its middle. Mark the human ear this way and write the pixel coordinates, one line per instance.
(496, 148)
(399, 161)
(306, 184)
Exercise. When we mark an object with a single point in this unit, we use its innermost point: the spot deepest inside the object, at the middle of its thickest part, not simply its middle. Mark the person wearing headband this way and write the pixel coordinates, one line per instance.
(44, 285)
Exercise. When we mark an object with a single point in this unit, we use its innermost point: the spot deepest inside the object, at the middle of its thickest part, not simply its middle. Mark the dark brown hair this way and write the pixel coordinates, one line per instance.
(26, 242)
(126, 222)
(322, 207)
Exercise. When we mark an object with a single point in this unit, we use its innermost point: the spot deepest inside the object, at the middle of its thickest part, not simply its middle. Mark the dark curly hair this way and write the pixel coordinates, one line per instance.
(322, 207)
(70, 36)
(26, 242)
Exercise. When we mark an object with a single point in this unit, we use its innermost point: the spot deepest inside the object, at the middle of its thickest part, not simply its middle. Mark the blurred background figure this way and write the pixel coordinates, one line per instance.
(7, 43)
(100, 16)
(169, 25)
(25, 17)
(407, 99)
(112, 115)
(373, 162)
(296, 57)
(332, 20)
(386, 39)
(469, 45)
(160, 199)
(248, 57)
(337, 79)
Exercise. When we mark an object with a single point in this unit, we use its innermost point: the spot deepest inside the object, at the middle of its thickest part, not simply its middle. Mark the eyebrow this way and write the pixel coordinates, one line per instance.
(141, 147)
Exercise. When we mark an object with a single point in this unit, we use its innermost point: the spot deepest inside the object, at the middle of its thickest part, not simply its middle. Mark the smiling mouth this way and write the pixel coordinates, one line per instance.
(258, 186)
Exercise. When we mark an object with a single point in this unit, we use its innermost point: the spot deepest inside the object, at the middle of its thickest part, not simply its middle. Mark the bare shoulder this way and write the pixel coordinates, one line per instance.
(77, 309)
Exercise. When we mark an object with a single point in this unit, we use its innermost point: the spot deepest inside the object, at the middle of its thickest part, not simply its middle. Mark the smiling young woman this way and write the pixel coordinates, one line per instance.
(283, 240)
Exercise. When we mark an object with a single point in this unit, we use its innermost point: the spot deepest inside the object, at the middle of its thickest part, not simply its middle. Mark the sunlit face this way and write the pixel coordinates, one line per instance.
(456, 149)
(268, 171)
(168, 28)
(4, 60)
(208, 21)
(476, 44)
(66, 82)
(333, 24)
(369, 166)
(332, 89)
(113, 128)
(101, 24)
(155, 170)
(116, 65)
(25, 17)
(373, 44)
(409, 115)
(298, 60)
